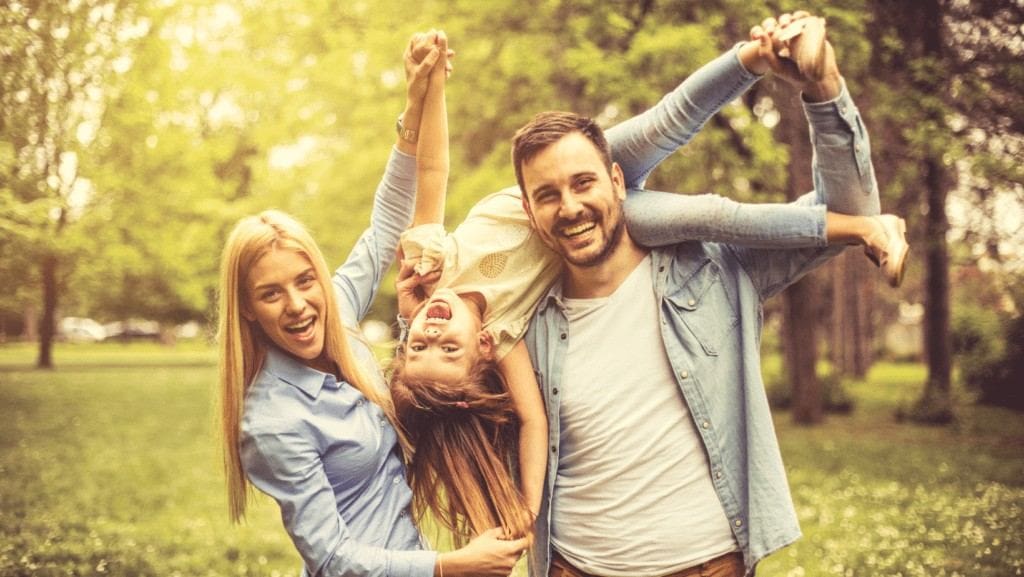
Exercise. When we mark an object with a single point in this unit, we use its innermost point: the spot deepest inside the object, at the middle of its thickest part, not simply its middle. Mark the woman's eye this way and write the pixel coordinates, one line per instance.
(306, 281)
(269, 295)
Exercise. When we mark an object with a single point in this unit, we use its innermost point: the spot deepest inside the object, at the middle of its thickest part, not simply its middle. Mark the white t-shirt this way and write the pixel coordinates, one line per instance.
(633, 495)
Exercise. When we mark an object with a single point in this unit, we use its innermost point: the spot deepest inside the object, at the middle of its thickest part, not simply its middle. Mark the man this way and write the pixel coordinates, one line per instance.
(664, 459)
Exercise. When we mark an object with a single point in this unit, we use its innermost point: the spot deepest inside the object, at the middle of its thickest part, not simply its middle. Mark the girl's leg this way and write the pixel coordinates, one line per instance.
(883, 237)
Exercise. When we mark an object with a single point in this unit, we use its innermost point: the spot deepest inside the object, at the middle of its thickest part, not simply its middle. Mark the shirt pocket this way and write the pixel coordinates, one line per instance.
(703, 305)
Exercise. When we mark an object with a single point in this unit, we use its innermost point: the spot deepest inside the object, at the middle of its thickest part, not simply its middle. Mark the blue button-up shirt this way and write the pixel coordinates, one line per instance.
(710, 314)
(318, 447)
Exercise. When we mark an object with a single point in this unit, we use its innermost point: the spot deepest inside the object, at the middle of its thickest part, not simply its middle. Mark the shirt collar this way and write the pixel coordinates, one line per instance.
(553, 296)
(290, 370)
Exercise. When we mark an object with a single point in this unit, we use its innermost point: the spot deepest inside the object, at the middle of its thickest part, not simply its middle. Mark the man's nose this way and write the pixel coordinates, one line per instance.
(570, 208)
(432, 332)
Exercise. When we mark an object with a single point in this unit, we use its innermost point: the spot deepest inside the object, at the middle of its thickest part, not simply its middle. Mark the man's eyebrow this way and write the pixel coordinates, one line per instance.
(542, 188)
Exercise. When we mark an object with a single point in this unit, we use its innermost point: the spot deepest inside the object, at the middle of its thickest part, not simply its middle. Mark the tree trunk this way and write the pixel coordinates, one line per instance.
(935, 404)
(48, 324)
(801, 350)
(851, 333)
(800, 322)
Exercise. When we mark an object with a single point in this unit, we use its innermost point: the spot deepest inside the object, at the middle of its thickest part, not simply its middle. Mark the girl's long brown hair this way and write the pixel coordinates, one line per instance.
(463, 440)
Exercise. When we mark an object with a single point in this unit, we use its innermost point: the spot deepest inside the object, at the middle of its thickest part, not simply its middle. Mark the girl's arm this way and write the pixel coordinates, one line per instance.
(358, 279)
(533, 425)
(432, 158)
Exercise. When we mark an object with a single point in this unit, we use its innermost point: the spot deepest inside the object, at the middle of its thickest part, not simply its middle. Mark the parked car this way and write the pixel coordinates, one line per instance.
(133, 329)
(80, 330)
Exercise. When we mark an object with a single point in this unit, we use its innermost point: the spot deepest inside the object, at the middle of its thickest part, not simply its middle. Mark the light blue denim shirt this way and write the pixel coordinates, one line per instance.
(318, 447)
(711, 297)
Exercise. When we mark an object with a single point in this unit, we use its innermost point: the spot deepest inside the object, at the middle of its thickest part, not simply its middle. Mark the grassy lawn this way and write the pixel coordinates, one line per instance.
(108, 466)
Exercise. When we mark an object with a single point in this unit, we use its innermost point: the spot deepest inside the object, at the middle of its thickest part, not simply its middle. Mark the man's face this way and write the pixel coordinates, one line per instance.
(574, 204)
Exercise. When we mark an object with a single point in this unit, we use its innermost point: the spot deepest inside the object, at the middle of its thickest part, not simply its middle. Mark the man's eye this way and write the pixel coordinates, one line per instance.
(417, 347)
(449, 348)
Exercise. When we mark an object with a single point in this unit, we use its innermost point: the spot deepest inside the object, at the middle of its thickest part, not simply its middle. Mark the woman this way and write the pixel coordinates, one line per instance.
(305, 418)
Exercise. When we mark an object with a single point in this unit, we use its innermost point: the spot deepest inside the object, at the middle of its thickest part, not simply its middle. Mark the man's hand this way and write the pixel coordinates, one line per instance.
(792, 38)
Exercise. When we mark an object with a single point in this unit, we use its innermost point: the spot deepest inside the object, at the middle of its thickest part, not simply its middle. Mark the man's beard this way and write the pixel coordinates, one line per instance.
(613, 240)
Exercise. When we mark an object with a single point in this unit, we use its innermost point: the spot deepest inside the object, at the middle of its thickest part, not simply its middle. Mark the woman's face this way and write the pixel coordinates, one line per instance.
(284, 295)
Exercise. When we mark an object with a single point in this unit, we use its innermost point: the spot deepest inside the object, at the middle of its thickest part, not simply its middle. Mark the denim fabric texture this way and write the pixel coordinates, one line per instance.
(711, 297)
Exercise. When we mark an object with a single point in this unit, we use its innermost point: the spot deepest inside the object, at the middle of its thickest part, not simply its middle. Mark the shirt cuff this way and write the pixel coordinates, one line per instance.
(412, 563)
(840, 113)
(741, 69)
(401, 167)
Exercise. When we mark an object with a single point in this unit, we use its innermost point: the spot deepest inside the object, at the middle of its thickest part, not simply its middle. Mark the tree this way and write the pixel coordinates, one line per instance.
(56, 60)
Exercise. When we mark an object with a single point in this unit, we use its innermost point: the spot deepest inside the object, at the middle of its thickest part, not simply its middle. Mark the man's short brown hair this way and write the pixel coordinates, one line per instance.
(548, 128)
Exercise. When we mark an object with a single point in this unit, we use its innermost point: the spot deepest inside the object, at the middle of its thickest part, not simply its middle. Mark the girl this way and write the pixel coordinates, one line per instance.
(305, 418)
(463, 386)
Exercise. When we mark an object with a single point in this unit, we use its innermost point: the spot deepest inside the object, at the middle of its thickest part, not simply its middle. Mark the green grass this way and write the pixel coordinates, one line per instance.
(108, 466)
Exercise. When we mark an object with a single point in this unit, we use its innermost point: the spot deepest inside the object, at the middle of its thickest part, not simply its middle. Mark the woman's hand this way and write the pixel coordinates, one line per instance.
(423, 51)
(488, 555)
(412, 289)
(420, 56)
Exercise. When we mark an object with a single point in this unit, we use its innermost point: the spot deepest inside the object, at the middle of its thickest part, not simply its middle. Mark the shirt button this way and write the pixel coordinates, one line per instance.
(563, 336)
(842, 110)
(554, 391)
(554, 449)
(738, 522)
(705, 424)
(396, 480)
(856, 148)
(661, 269)
(691, 302)
(718, 474)
(684, 375)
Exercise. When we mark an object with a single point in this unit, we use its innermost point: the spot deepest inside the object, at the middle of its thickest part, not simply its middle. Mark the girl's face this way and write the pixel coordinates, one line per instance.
(285, 297)
(445, 339)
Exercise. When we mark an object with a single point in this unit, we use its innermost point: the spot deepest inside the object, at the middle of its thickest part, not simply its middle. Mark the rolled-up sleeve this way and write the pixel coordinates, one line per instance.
(285, 466)
(844, 181)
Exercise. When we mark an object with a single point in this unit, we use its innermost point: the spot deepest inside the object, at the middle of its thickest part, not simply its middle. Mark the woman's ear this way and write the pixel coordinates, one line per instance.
(246, 310)
(486, 345)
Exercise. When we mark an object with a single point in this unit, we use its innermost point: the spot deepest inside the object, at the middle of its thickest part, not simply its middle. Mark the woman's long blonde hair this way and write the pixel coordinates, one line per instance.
(243, 346)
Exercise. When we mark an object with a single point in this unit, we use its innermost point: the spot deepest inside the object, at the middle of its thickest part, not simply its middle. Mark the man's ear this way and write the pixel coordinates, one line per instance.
(618, 181)
(527, 210)
(486, 345)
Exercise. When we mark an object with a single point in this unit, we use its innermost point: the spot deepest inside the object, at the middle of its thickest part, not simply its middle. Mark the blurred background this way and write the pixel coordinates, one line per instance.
(133, 134)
